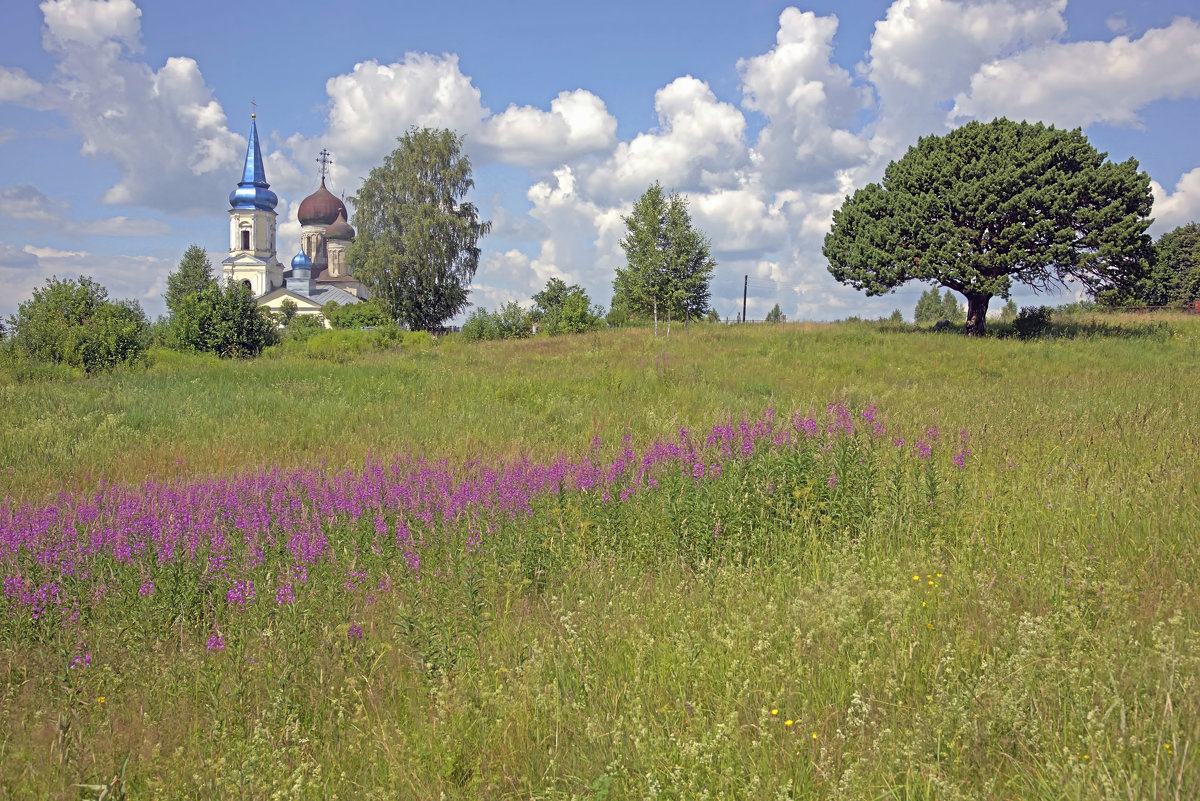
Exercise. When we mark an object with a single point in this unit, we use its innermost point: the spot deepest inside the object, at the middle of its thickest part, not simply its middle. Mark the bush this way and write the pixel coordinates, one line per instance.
(1032, 321)
(368, 314)
(74, 323)
(223, 320)
(510, 321)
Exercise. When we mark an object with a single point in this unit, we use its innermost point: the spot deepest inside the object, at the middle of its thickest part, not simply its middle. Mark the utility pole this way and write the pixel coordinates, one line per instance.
(745, 289)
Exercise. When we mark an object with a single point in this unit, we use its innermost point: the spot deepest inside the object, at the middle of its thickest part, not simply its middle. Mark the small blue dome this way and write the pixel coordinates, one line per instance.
(302, 262)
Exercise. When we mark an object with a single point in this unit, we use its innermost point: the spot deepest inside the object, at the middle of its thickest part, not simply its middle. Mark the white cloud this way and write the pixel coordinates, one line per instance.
(91, 23)
(739, 221)
(161, 129)
(1081, 83)
(577, 123)
(925, 51)
(27, 202)
(374, 103)
(1177, 208)
(810, 102)
(699, 144)
(15, 85)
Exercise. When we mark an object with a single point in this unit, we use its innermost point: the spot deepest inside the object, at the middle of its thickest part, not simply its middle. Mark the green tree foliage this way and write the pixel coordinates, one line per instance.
(897, 316)
(775, 315)
(668, 264)
(562, 309)
(1174, 277)
(993, 203)
(929, 307)
(193, 275)
(73, 323)
(225, 321)
(368, 314)
(510, 321)
(288, 310)
(1009, 312)
(417, 247)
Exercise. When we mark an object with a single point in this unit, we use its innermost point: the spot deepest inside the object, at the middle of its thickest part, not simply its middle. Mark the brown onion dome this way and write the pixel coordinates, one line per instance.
(320, 208)
(340, 229)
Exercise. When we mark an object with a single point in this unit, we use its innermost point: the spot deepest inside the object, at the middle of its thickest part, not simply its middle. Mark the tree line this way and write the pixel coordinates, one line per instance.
(974, 211)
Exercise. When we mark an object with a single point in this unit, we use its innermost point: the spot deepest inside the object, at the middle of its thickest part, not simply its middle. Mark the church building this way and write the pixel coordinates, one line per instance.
(318, 273)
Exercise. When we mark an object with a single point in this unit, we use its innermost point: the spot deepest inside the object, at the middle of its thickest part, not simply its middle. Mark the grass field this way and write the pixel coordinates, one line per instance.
(876, 563)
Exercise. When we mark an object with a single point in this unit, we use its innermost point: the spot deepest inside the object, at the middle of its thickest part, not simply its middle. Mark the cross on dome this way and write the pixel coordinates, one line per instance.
(323, 158)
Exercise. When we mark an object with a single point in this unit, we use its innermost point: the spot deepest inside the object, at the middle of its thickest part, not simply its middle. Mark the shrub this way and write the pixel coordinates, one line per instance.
(223, 320)
(1032, 321)
(368, 314)
(74, 323)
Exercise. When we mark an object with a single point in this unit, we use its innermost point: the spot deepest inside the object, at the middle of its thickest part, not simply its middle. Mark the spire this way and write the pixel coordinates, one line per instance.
(253, 191)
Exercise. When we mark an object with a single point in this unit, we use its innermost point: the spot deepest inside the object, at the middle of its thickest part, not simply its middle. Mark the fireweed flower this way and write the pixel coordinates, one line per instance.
(221, 531)
(354, 632)
(216, 643)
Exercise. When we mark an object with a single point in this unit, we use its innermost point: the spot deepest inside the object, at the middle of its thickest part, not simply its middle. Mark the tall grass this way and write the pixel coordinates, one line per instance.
(825, 616)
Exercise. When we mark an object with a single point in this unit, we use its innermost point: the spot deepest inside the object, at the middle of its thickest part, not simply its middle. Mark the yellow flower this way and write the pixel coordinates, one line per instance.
(788, 722)
(928, 625)
(100, 700)
(916, 578)
(774, 711)
(814, 735)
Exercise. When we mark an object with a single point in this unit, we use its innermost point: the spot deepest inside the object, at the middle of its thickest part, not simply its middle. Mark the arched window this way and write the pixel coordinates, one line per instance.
(245, 239)
(246, 283)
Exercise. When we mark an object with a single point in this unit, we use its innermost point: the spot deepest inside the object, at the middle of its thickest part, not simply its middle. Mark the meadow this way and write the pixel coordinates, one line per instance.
(853, 560)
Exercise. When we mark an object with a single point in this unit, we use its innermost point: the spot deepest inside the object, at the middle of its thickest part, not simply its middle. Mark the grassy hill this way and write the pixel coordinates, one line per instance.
(878, 563)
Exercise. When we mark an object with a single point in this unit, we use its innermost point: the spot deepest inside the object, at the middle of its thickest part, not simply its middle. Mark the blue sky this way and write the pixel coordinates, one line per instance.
(123, 127)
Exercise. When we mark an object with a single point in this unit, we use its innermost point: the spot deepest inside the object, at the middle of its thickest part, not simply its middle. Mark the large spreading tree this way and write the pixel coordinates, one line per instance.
(668, 265)
(993, 203)
(417, 246)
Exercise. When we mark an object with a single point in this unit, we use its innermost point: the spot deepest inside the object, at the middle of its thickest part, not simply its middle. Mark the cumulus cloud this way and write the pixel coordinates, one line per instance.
(157, 127)
(1081, 83)
(810, 102)
(1173, 209)
(374, 103)
(924, 52)
(739, 221)
(577, 123)
(699, 143)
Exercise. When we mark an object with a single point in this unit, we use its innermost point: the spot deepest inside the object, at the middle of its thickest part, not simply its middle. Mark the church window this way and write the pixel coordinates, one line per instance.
(245, 239)
(246, 283)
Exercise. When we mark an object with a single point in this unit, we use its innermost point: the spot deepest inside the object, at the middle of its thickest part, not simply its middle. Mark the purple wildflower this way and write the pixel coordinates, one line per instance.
(354, 632)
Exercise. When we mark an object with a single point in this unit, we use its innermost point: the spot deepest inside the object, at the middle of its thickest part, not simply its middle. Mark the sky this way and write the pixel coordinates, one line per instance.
(123, 127)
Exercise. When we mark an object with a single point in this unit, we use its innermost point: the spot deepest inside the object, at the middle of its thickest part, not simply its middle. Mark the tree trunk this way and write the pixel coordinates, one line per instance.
(668, 321)
(655, 317)
(976, 314)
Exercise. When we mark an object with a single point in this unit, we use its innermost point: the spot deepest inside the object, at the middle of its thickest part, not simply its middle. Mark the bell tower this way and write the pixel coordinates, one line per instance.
(252, 257)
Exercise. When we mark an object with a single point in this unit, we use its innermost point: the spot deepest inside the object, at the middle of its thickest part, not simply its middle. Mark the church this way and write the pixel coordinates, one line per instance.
(318, 273)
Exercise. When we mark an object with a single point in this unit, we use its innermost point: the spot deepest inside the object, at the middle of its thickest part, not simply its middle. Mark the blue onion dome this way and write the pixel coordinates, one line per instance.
(301, 261)
(340, 229)
(253, 191)
(320, 208)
